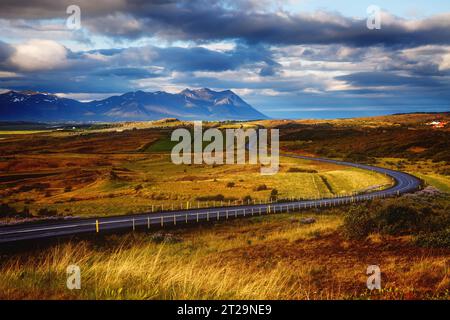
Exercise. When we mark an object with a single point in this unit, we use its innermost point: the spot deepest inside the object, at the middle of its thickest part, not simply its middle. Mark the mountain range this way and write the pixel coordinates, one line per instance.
(200, 104)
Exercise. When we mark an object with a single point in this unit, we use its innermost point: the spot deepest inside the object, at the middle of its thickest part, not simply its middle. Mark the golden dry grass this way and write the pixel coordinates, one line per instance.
(272, 257)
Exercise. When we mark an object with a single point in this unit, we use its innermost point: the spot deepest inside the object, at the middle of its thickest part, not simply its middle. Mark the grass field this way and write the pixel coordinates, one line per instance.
(99, 174)
(274, 257)
(124, 168)
(14, 132)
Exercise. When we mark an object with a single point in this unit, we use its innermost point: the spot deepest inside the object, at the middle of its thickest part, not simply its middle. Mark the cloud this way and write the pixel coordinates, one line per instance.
(445, 62)
(36, 55)
(245, 20)
(388, 79)
(5, 52)
(48, 66)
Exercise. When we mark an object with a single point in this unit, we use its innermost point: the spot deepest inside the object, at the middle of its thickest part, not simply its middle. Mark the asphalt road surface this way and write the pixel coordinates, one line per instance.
(404, 183)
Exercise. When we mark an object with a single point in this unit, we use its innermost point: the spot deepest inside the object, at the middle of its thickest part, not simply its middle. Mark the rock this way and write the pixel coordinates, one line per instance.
(427, 191)
(307, 220)
(161, 237)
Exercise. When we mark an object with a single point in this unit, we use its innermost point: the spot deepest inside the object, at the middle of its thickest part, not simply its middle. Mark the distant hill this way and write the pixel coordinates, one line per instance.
(201, 104)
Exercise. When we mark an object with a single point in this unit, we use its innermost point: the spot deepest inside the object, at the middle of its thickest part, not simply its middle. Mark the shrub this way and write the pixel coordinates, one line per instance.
(35, 186)
(230, 184)
(358, 223)
(439, 239)
(45, 212)
(274, 194)
(217, 197)
(261, 187)
(302, 170)
(430, 223)
(6, 211)
(397, 219)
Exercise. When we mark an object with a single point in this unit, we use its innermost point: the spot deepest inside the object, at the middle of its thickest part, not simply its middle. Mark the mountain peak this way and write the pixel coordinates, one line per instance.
(30, 92)
(185, 91)
(189, 104)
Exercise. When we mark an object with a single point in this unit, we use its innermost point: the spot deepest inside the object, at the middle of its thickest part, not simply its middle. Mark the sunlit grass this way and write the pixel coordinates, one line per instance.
(157, 183)
(268, 257)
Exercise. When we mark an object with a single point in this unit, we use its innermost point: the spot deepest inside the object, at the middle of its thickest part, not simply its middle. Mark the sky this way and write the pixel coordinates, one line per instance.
(289, 59)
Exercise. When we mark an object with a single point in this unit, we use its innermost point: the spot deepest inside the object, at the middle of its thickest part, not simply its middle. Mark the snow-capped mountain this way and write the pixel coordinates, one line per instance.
(201, 104)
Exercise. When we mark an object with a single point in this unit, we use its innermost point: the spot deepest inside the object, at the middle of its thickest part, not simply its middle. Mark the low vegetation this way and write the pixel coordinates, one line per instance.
(428, 224)
(94, 173)
(312, 254)
(304, 255)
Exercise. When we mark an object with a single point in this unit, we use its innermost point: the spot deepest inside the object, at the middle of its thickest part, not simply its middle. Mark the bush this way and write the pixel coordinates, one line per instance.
(426, 218)
(358, 223)
(35, 186)
(274, 194)
(302, 170)
(7, 211)
(261, 187)
(217, 197)
(230, 185)
(438, 239)
(397, 219)
(44, 212)
(247, 199)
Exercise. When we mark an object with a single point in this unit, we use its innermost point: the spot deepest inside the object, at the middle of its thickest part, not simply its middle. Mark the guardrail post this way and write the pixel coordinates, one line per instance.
(97, 229)
(186, 218)
(162, 221)
(134, 227)
(218, 215)
(148, 222)
(207, 216)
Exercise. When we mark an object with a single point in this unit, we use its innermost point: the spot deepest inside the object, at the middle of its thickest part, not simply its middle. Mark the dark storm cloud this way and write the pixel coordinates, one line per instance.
(62, 82)
(203, 23)
(213, 20)
(202, 59)
(128, 73)
(5, 52)
(389, 79)
(191, 58)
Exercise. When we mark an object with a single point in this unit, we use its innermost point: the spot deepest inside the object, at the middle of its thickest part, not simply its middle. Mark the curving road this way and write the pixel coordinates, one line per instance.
(404, 183)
